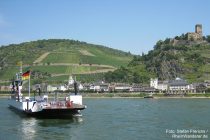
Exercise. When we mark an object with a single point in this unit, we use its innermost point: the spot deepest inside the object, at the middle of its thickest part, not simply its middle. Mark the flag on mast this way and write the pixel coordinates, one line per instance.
(26, 75)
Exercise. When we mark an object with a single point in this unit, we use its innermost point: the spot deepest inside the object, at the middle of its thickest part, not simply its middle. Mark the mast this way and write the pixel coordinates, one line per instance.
(29, 85)
(21, 67)
(18, 82)
(75, 87)
(20, 79)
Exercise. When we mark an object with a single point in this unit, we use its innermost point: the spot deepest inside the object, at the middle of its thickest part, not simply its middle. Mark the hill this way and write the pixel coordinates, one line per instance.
(188, 59)
(59, 58)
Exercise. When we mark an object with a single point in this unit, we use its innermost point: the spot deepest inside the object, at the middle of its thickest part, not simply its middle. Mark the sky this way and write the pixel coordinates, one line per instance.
(129, 25)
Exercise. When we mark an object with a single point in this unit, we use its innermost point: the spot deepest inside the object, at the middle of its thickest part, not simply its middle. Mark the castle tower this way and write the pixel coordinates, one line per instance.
(198, 29)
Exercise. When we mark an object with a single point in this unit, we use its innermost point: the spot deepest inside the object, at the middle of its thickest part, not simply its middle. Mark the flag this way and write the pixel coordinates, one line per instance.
(20, 63)
(26, 75)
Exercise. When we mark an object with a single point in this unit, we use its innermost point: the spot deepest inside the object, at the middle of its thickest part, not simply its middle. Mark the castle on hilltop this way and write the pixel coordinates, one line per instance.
(190, 38)
(197, 35)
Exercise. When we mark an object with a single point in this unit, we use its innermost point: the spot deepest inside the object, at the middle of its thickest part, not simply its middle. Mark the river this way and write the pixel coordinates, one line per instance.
(115, 119)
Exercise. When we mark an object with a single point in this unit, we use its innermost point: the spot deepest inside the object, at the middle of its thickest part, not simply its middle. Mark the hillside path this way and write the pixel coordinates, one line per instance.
(74, 64)
(90, 72)
(85, 52)
(42, 57)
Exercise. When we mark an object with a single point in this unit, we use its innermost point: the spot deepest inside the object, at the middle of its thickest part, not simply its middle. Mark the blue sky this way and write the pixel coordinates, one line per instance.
(128, 25)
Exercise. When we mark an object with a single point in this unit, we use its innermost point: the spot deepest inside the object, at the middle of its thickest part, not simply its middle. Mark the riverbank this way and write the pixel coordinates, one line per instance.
(124, 95)
(142, 95)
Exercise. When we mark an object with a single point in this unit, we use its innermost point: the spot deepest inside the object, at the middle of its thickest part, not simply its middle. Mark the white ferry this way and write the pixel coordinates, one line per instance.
(41, 106)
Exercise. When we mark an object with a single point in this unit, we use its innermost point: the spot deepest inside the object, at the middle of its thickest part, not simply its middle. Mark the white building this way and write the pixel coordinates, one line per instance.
(122, 87)
(80, 86)
(51, 88)
(95, 87)
(62, 88)
(159, 85)
(178, 85)
(71, 80)
(154, 83)
(173, 86)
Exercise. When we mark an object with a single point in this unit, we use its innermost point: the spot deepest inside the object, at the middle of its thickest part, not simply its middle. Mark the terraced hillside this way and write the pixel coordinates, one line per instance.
(167, 62)
(60, 58)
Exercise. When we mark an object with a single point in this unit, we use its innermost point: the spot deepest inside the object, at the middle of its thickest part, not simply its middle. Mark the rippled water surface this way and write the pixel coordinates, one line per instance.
(112, 119)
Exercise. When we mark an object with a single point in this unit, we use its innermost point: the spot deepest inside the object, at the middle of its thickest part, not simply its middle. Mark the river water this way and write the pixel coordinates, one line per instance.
(115, 119)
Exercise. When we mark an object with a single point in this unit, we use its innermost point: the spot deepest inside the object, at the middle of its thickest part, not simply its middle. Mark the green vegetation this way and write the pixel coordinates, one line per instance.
(130, 74)
(170, 61)
(167, 61)
(53, 60)
(62, 57)
(59, 57)
(83, 78)
(62, 51)
(66, 69)
(198, 95)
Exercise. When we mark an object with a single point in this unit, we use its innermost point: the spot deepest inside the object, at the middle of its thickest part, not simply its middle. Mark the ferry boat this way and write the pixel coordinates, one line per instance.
(42, 106)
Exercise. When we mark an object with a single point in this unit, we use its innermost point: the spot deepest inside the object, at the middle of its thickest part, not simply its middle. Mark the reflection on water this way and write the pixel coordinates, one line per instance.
(33, 128)
(40, 128)
(28, 128)
(59, 122)
(111, 119)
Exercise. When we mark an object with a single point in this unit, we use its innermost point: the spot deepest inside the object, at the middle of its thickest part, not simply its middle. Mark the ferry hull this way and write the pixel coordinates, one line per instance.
(46, 110)
(55, 113)
(50, 113)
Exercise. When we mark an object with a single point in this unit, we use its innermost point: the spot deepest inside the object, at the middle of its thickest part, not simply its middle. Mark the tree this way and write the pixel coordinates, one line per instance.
(136, 78)
(158, 44)
(177, 38)
(167, 41)
(208, 38)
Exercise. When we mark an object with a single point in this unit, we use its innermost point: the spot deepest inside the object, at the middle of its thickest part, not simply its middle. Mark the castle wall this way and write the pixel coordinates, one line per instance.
(197, 35)
(194, 36)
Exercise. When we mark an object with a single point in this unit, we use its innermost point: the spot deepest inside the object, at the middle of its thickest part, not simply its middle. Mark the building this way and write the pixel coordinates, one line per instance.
(71, 80)
(62, 88)
(80, 86)
(197, 35)
(104, 87)
(94, 88)
(137, 88)
(159, 85)
(51, 88)
(5, 88)
(177, 86)
(200, 87)
(122, 87)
